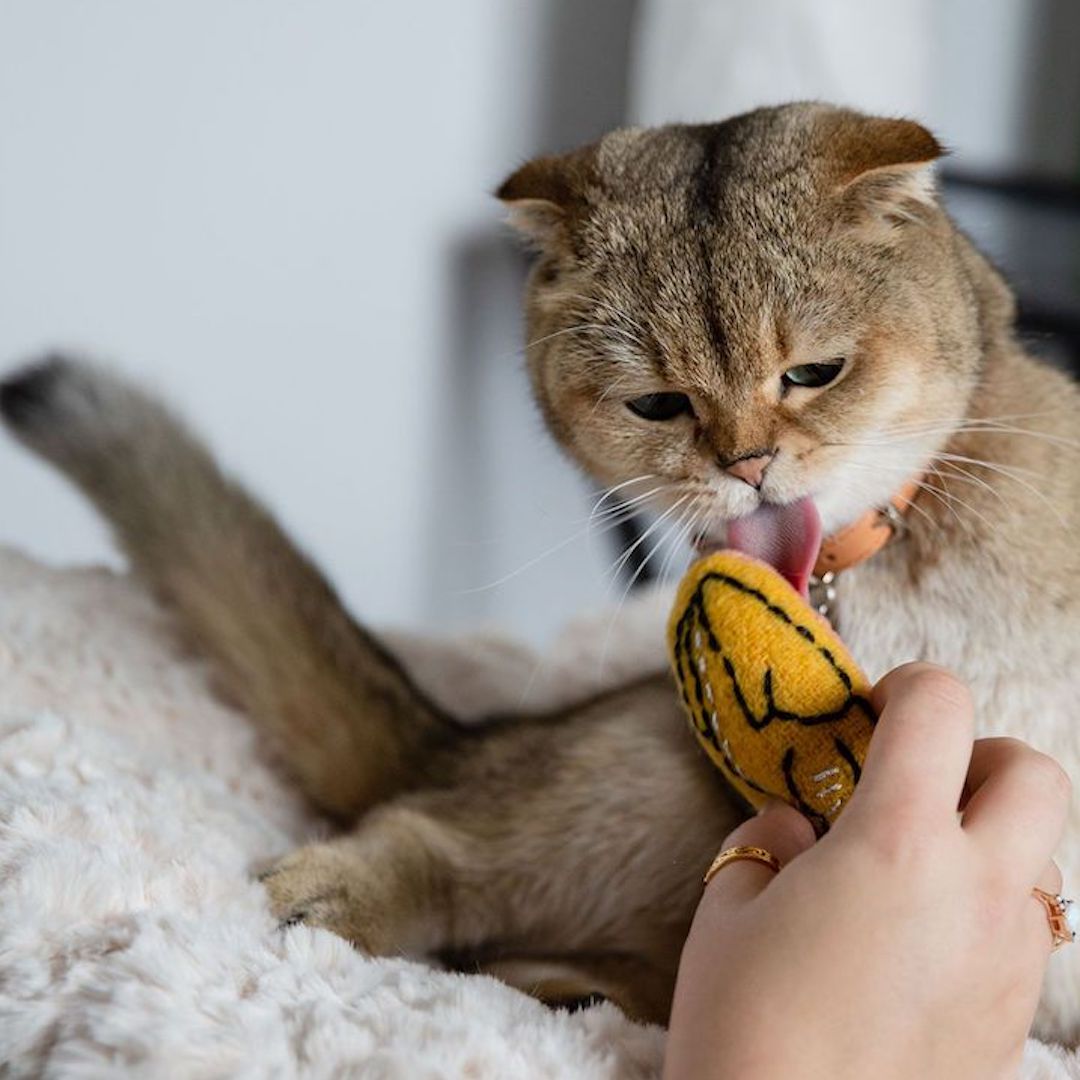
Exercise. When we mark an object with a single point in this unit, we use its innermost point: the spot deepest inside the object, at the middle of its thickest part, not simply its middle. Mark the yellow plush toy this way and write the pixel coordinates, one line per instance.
(772, 694)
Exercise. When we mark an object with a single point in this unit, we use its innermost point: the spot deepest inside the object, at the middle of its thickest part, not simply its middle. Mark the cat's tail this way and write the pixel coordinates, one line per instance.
(348, 720)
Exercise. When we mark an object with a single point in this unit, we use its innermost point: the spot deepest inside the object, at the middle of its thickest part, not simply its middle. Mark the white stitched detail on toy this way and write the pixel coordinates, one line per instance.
(734, 767)
(701, 664)
(708, 693)
(825, 772)
(727, 756)
(835, 806)
(829, 790)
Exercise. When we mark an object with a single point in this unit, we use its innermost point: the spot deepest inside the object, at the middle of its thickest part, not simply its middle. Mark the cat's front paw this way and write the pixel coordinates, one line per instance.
(313, 886)
(384, 895)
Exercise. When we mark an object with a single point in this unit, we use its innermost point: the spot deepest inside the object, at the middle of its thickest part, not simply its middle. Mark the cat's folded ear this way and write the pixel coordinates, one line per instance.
(882, 167)
(547, 196)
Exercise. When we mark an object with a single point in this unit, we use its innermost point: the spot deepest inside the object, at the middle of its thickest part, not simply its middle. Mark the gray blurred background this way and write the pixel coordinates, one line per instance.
(277, 214)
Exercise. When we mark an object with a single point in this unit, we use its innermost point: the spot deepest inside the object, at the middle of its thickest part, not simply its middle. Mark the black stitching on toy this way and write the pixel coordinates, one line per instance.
(740, 699)
(848, 755)
(736, 772)
(788, 765)
(684, 655)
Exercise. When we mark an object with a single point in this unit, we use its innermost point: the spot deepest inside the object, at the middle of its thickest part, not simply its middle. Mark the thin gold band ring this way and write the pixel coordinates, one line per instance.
(743, 851)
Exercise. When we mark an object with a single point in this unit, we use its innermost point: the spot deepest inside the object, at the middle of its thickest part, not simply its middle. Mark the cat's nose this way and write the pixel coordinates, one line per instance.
(750, 468)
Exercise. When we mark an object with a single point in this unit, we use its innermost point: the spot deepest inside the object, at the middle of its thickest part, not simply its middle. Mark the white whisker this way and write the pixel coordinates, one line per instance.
(953, 498)
(896, 437)
(525, 566)
(622, 560)
(621, 504)
(895, 468)
(624, 512)
(606, 526)
(1009, 474)
(637, 572)
(693, 515)
(605, 492)
(599, 329)
(608, 391)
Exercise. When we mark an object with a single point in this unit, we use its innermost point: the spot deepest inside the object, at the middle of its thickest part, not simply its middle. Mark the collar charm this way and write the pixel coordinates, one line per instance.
(823, 595)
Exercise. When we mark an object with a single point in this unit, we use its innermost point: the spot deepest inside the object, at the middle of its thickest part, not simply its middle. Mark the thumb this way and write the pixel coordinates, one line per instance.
(779, 829)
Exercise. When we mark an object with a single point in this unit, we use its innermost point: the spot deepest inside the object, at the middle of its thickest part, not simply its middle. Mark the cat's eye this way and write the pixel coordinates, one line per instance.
(811, 375)
(664, 406)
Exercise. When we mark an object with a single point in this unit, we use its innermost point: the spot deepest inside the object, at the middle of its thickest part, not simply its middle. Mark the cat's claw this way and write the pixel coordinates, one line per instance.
(310, 886)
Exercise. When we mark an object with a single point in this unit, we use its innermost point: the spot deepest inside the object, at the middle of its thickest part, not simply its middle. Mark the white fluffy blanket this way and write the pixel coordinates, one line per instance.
(135, 810)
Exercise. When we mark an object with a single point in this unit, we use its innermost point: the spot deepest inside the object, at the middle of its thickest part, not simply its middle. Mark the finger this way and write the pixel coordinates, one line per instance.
(1018, 803)
(919, 754)
(987, 756)
(779, 829)
(1050, 879)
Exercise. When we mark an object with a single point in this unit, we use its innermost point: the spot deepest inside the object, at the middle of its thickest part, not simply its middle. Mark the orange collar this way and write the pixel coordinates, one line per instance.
(865, 537)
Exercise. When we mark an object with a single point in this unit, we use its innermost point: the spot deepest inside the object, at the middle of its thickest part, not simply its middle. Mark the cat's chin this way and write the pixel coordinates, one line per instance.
(839, 508)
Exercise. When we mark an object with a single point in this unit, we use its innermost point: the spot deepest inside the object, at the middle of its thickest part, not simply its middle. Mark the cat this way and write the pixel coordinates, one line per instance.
(743, 316)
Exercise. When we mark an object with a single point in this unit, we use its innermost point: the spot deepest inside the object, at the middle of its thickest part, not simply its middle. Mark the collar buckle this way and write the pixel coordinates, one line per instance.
(892, 517)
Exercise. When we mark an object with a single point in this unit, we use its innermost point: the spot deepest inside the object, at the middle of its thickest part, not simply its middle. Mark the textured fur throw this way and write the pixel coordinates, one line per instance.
(135, 811)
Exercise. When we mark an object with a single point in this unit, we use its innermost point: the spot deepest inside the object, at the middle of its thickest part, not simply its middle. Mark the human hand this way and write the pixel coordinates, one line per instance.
(906, 942)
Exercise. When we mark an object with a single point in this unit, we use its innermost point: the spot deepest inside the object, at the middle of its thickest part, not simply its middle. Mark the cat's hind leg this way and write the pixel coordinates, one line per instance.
(640, 989)
(388, 886)
(404, 883)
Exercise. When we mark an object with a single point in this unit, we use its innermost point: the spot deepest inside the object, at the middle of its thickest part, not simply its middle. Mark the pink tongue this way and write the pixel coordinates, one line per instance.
(786, 537)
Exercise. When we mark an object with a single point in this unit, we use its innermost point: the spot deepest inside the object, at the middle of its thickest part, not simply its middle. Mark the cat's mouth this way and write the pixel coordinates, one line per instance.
(786, 537)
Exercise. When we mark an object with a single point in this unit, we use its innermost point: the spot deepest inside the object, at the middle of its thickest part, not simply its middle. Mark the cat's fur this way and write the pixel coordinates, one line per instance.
(564, 852)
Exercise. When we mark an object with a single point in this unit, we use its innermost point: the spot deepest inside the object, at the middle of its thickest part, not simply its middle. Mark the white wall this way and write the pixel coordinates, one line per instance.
(276, 212)
(699, 60)
(998, 80)
(260, 207)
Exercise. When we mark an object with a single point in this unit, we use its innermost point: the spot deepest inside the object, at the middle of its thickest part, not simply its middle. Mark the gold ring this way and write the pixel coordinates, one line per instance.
(744, 851)
(1063, 916)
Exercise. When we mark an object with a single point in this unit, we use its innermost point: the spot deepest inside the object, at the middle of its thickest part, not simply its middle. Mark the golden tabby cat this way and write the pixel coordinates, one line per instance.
(768, 312)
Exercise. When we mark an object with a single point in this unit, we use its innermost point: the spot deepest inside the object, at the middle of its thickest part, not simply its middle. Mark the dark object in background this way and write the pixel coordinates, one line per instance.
(1031, 229)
